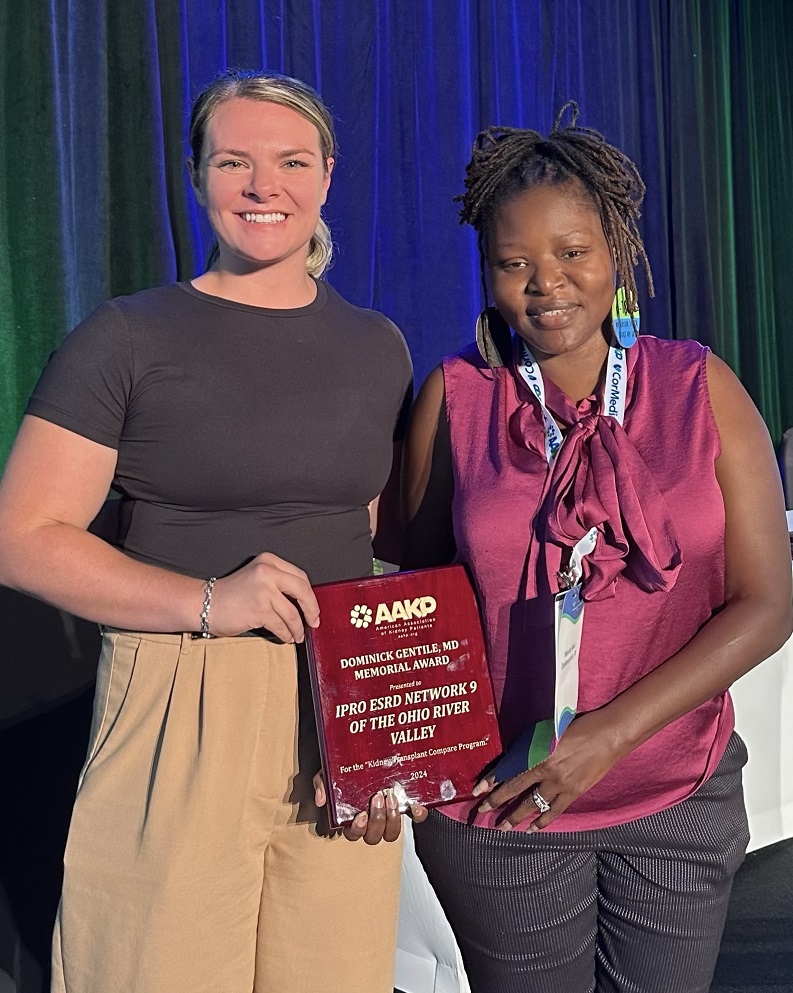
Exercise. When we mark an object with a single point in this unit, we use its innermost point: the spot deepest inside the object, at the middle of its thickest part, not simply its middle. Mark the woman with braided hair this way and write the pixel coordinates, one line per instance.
(561, 452)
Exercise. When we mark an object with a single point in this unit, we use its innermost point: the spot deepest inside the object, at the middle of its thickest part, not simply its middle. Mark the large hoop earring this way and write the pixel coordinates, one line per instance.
(493, 337)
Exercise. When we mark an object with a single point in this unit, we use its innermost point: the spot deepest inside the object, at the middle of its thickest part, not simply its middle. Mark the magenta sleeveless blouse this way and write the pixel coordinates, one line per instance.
(656, 576)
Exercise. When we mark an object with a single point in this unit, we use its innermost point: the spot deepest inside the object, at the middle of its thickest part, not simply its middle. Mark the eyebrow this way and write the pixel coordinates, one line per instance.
(565, 236)
(287, 153)
(297, 151)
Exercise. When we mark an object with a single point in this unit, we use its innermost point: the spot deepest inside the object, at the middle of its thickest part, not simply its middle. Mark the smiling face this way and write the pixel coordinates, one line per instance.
(551, 270)
(262, 180)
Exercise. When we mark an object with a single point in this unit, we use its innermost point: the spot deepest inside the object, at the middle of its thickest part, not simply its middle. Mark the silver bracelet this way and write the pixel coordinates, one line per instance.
(205, 609)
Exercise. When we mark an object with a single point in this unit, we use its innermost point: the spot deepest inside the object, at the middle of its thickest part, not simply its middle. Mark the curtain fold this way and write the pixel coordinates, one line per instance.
(95, 199)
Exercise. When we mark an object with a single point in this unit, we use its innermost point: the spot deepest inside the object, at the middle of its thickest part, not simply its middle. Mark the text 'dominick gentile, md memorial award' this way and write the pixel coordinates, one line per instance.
(401, 689)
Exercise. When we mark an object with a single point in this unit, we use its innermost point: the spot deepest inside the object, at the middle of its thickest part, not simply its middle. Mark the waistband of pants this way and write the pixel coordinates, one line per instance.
(168, 637)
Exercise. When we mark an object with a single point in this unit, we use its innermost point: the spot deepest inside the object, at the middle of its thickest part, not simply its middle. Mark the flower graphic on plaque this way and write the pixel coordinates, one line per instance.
(360, 616)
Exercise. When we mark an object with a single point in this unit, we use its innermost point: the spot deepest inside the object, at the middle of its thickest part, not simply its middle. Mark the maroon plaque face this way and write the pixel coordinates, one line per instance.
(401, 689)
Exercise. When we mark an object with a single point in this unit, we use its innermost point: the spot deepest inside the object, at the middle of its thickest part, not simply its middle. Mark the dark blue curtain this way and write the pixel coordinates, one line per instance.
(96, 202)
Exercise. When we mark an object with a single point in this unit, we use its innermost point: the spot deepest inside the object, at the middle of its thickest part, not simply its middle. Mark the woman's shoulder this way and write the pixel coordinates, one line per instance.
(363, 328)
(468, 367)
(145, 306)
(682, 350)
(469, 356)
(153, 302)
(672, 382)
(677, 361)
(112, 324)
(364, 316)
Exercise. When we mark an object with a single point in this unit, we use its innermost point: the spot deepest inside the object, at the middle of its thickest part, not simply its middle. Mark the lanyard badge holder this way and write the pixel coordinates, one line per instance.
(569, 607)
(538, 740)
(568, 626)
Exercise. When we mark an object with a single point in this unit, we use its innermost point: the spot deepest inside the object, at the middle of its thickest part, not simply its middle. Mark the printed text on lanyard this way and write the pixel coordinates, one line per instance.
(569, 607)
(614, 393)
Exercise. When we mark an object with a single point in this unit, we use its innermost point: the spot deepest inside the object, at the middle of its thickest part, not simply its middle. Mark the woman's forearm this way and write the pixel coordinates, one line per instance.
(738, 638)
(78, 572)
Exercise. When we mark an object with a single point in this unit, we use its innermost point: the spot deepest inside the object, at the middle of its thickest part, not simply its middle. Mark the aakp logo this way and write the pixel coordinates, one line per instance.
(360, 616)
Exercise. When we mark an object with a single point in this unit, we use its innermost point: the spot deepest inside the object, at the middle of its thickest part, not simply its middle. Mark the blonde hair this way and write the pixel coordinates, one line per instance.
(270, 87)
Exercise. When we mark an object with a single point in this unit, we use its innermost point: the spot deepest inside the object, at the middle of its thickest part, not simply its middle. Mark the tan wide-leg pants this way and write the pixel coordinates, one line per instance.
(194, 861)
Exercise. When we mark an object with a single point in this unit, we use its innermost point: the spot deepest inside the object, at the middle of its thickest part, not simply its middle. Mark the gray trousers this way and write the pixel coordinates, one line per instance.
(637, 908)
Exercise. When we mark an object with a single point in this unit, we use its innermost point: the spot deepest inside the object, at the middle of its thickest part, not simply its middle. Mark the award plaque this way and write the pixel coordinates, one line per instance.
(402, 691)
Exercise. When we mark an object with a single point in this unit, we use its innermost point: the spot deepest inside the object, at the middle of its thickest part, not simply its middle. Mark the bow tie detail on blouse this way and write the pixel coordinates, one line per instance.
(599, 479)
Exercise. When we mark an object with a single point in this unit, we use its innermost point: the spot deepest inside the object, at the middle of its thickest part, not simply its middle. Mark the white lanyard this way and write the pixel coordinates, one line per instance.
(569, 613)
(569, 607)
(614, 393)
(571, 576)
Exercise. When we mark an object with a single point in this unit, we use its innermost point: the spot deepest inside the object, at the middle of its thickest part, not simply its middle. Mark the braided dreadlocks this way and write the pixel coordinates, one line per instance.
(507, 161)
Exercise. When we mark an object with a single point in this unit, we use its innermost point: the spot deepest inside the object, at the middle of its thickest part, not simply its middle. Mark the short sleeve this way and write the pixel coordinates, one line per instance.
(87, 383)
(404, 365)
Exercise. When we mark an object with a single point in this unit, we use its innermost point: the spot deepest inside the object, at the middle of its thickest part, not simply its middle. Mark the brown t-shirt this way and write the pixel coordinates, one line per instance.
(239, 429)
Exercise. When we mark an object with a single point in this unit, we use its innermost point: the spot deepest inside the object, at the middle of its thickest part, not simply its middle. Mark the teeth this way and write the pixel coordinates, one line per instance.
(263, 218)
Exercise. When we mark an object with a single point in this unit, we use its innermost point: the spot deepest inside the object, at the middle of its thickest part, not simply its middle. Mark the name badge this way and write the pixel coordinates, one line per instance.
(539, 740)
(569, 623)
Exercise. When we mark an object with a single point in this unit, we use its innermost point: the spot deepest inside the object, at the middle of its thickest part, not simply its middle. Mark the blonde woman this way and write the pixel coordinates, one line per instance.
(247, 418)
